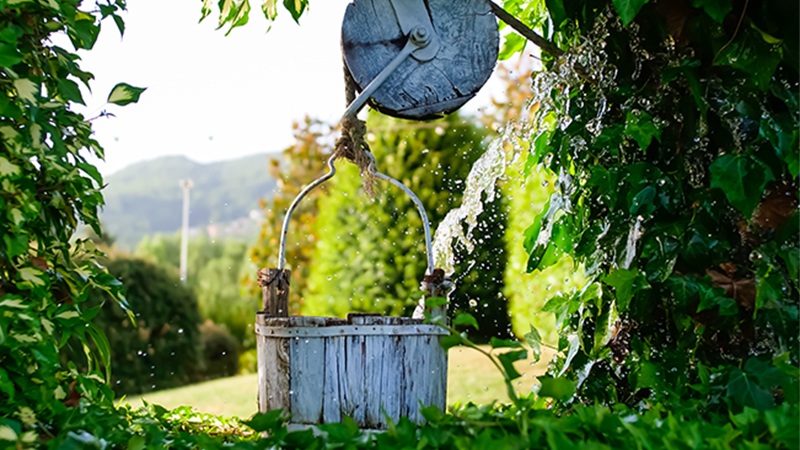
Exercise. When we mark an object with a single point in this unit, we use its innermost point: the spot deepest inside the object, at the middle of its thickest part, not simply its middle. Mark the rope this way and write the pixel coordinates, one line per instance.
(351, 144)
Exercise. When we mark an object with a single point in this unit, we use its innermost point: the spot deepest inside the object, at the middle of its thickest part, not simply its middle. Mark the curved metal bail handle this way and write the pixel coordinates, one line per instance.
(374, 171)
(425, 224)
(293, 206)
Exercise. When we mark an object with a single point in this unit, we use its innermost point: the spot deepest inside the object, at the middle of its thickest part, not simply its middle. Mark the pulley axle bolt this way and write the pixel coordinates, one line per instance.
(420, 37)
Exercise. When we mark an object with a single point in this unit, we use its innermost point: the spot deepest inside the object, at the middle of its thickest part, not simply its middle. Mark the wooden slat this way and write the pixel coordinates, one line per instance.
(273, 371)
(334, 370)
(393, 380)
(376, 347)
(307, 379)
(351, 384)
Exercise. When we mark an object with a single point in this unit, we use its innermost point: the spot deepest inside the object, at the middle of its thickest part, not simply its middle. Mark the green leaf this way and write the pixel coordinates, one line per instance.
(92, 172)
(534, 340)
(270, 9)
(103, 347)
(717, 9)
(295, 8)
(238, 16)
(124, 94)
(750, 54)
(83, 32)
(9, 56)
(559, 389)
(120, 24)
(433, 302)
(558, 13)
(268, 421)
(504, 343)
(512, 44)
(69, 91)
(450, 341)
(791, 257)
(15, 245)
(466, 319)
(622, 280)
(784, 365)
(7, 168)
(742, 180)
(745, 391)
(507, 361)
(641, 128)
(628, 9)
(27, 90)
(644, 199)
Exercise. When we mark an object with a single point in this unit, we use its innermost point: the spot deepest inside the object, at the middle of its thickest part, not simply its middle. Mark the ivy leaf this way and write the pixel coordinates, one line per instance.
(124, 94)
(752, 55)
(622, 280)
(239, 16)
(507, 361)
(741, 179)
(717, 9)
(534, 340)
(745, 391)
(296, 8)
(27, 90)
(643, 198)
(627, 9)
(69, 91)
(466, 319)
(269, 7)
(559, 389)
(641, 128)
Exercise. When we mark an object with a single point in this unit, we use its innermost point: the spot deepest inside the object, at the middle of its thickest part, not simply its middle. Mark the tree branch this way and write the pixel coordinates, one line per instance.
(523, 29)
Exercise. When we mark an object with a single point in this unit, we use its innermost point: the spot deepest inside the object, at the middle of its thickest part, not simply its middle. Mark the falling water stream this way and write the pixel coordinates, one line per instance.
(481, 186)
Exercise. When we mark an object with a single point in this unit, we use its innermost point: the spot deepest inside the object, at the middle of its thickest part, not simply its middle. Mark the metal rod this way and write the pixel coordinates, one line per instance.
(293, 206)
(420, 207)
(373, 86)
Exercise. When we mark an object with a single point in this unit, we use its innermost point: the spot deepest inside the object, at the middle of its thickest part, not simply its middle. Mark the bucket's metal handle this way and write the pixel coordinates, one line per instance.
(374, 171)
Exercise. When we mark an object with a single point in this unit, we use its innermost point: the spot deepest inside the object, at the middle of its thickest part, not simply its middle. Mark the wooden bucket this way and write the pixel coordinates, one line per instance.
(367, 367)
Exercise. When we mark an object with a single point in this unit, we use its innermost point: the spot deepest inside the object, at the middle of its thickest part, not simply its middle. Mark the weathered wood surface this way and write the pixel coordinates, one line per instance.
(361, 376)
(275, 290)
(467, 30)
(273, 371)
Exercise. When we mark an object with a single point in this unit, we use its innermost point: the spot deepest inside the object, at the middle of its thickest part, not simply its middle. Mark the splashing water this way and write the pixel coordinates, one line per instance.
(482, 179)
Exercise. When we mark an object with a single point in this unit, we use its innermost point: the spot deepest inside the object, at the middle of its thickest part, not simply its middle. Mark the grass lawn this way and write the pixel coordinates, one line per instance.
(471, 377)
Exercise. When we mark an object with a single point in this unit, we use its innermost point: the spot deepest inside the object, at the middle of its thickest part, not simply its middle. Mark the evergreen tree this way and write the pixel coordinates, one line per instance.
(370, 255)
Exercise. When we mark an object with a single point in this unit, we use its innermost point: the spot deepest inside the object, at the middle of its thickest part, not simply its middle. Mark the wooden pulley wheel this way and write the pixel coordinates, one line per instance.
(437, 78)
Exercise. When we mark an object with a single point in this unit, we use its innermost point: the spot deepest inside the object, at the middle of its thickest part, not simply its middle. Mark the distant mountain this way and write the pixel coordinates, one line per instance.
(145, 198)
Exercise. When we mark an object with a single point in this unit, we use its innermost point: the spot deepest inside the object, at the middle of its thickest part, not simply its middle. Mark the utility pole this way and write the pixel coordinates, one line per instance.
(186, 185)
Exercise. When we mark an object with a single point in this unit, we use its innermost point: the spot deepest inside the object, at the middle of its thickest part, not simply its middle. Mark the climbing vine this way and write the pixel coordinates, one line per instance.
(48, 187)
(673, 129)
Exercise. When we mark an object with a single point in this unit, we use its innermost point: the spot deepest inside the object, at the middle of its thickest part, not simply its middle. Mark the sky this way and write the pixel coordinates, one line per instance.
(211, 97)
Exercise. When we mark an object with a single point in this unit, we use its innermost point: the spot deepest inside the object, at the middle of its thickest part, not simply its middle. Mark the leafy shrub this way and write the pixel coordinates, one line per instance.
(677, 162)
(162, 350)
(220, 350)
(214, 270)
